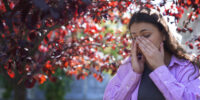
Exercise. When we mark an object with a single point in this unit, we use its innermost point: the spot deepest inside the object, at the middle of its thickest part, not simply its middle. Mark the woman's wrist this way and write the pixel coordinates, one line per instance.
(137, 71)
(155, 67)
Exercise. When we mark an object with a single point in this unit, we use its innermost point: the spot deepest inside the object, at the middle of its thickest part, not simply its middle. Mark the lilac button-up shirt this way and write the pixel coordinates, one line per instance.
(171, 80)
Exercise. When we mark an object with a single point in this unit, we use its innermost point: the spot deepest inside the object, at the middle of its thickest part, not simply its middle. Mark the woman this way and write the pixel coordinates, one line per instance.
(158, 68)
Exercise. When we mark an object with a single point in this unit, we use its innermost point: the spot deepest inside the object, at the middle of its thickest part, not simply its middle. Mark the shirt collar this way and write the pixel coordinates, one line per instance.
(178, 61)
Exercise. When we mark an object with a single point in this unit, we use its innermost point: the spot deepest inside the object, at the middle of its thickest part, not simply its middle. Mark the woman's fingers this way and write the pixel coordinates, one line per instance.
(147, 47)
(144, 49)
(142, 61)
(136, 64)
(153, 55)
(133, 49)
(148, 43)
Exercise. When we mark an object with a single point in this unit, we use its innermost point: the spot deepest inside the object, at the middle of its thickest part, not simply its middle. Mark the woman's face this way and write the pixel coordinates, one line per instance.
(148, 31)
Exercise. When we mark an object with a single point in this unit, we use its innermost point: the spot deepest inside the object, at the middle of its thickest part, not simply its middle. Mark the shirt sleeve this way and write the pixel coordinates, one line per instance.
(179, 88)
(120, 87)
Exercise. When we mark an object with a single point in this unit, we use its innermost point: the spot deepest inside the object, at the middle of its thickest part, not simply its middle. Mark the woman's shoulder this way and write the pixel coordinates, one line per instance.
(179, 61)
(186, 68)
(183, 64)
(125, 67)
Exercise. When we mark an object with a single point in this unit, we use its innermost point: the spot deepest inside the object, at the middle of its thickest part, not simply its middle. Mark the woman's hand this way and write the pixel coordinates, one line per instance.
(137, 65)
(153, 55)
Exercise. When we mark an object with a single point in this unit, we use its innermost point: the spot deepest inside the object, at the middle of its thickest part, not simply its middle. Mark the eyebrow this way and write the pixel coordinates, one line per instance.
(140, 31)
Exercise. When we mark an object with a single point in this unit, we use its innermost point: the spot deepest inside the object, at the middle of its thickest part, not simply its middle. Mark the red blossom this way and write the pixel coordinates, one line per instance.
(30, 82)
(191, 46)
(11, 73)
(190, 30)
(52, 79)
(40, 78)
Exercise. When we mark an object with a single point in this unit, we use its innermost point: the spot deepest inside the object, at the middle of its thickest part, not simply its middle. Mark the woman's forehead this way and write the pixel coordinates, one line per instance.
(141, 27)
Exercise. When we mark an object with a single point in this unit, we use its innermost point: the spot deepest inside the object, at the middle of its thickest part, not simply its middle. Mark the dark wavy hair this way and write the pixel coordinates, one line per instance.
(171, 45)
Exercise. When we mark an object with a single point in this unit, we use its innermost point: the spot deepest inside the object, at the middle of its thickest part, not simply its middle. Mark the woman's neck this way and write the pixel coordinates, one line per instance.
(167, 58)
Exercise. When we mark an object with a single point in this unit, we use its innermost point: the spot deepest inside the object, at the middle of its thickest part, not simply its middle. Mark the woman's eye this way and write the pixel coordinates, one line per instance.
(147, 36)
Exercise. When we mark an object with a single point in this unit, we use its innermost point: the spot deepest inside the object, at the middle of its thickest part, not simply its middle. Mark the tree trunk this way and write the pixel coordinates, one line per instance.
(20, 92)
